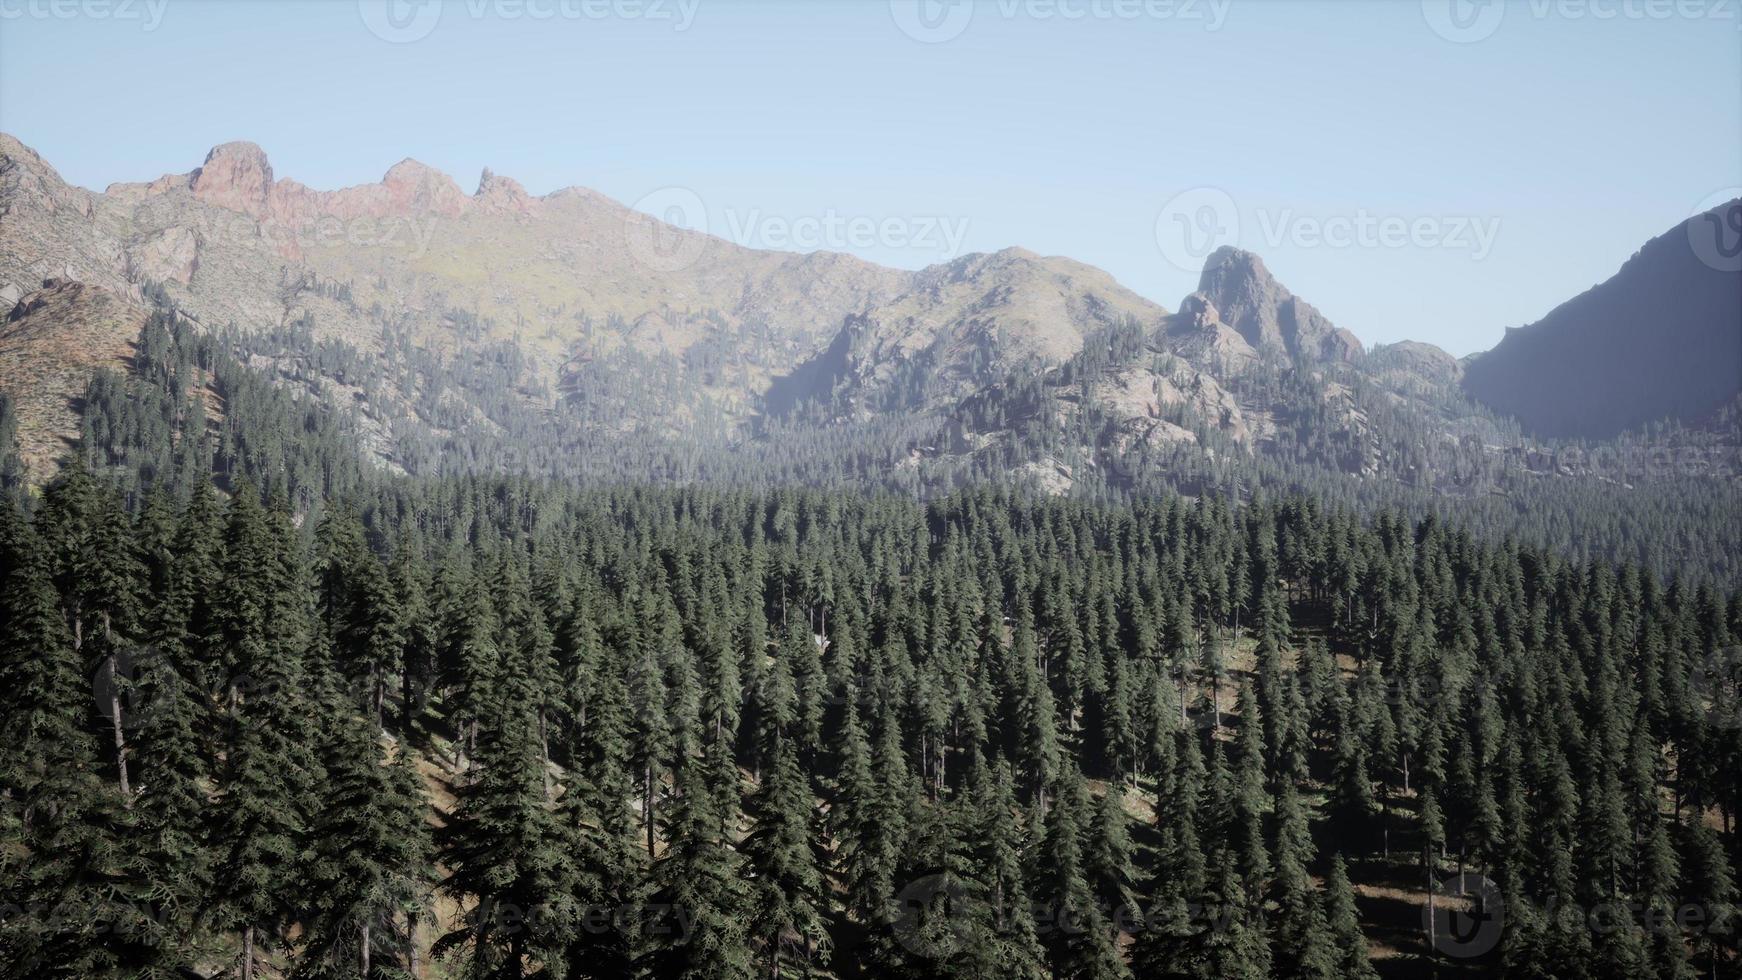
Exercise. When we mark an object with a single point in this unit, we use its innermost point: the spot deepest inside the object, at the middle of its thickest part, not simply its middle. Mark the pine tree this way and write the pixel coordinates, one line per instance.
(89, 547)
(1302, 945)
(1108, 859)
(1353, 960)
(62, 819)
(1353, 804)
(370, 865)
(267, 787)
(1080, 941)
(1014, 949)
(790, 904)
(509, 852)
(695, 922)
(362, 611)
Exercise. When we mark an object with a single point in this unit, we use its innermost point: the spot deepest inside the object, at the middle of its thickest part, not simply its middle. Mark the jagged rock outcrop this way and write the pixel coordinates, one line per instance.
(503, 195)
(1267, 315)
(642, 326)
(1197, 333)
(238, 177)
(27, 182)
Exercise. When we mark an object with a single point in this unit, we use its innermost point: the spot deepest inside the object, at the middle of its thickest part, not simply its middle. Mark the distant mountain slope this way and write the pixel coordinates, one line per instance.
(1660, 339)
(50, 342)
(963, 325)
(568, 276)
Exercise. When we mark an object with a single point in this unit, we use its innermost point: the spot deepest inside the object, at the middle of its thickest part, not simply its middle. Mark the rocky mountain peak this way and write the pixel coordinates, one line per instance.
(236, 176)
(1250, 300)
(504, 194)
(416, 187)
(242, 152)
(27, 181)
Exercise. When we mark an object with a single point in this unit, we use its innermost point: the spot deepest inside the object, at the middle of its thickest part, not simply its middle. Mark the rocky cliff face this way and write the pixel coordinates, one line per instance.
(1268, 316)
(238, 177)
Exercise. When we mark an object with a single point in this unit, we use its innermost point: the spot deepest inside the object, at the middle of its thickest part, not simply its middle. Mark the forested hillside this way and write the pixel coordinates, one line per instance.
(271, 710)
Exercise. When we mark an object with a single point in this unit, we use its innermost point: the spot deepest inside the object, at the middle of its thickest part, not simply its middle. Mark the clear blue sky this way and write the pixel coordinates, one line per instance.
(1581, 135)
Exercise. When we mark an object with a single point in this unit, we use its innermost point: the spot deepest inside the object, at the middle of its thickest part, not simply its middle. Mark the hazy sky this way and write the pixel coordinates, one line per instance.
(1433, 171)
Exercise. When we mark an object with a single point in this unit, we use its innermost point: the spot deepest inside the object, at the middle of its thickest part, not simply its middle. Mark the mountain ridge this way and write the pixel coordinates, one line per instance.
(503, 329)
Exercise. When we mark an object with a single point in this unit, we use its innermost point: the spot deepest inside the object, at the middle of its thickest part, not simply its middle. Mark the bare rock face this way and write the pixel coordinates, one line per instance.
(26, 182)
(172, 255)
(503, 195)
(1266, 314)
(970, 321)
(1197, 333)
(238, 177)
(1137, 395)
(409, 188)
(235, 176)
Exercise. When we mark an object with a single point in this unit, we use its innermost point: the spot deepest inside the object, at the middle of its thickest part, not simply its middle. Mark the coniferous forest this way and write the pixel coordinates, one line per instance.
(270, 714)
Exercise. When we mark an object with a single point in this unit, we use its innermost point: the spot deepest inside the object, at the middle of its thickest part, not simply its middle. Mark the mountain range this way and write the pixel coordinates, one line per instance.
(447, 325)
